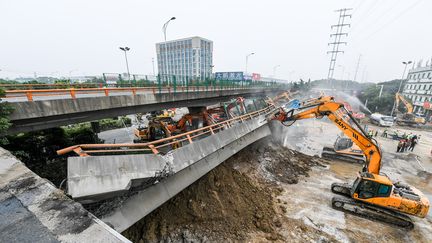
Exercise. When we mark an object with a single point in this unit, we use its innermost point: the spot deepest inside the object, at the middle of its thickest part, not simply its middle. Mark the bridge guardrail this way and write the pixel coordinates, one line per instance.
(155, 146)
(72, 93)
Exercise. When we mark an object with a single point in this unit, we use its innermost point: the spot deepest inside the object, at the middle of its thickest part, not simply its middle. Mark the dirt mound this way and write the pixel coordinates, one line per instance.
(230, 203)
(286, 165)
(224, 204)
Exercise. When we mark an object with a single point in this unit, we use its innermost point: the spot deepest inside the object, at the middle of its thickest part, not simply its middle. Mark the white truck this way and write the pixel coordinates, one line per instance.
(382, 120)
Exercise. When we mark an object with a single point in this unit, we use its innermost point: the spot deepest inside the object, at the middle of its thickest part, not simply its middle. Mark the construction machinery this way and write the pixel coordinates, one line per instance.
(195, 120)
(408, 118)
(344, 149)
(157, 128)
(237, 103)
(372, 195)
(284, 96)
(163, 126)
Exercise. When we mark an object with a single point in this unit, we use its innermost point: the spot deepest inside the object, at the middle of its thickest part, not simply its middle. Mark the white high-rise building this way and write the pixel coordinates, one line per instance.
(189, 57)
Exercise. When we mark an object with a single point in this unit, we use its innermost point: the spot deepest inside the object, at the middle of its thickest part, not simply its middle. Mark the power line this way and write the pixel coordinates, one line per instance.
(360, 17)
(355, 29)
(337, 37)
(360, 3)
(389, 22)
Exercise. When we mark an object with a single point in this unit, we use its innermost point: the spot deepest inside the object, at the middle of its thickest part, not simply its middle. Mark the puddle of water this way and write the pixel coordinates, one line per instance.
(345, 169)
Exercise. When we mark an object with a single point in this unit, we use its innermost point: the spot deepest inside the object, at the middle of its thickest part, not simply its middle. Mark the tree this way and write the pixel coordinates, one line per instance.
(383, 104)
(5, 110)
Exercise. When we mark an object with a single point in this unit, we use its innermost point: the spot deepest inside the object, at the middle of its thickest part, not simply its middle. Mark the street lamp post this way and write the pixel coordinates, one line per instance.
(381, 90)
(154, 74)
(165, 26)
(247, 58)
(126, 49)
(70, 75)
(211, 75)
(400, 84)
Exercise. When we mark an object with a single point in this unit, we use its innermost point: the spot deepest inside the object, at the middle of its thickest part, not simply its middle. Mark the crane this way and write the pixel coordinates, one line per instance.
(372, 195)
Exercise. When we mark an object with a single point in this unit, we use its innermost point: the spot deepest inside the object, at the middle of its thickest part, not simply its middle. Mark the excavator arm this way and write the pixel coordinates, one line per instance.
(407, 104)
(325, 106)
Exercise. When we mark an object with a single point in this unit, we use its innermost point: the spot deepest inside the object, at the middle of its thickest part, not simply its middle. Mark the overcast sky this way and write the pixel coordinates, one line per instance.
(58, 36)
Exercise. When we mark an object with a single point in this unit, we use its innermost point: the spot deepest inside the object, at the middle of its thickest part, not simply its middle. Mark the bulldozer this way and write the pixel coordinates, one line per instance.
(372, 195)
(408, 118)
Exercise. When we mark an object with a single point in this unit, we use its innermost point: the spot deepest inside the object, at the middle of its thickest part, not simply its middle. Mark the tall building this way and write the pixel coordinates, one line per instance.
(418, 89)
(191, 57)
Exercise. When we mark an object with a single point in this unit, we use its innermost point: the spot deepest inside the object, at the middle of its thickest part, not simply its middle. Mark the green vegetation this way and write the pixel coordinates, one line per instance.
(383, 104)
(301, 85)
(5, 111)
(104, 124)
(38, 149)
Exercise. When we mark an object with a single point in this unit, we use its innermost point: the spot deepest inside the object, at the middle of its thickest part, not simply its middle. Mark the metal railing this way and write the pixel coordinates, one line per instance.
(156, 146)
(72, 92)
(19, 86)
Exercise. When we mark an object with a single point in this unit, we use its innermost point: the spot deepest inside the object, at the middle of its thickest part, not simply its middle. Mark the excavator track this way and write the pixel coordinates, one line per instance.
(330, 153)
(368, 211)
(341, 189)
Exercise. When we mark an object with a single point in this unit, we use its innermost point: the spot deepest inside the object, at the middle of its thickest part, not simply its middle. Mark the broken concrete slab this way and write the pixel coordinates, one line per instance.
(33, 210)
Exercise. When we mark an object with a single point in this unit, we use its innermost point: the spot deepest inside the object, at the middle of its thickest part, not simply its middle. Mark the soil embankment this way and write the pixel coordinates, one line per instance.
(234, 202)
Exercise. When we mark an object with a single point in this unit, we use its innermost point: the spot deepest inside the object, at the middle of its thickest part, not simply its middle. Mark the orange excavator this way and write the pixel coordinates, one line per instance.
(372, 195)
(284, 97)
(163, 127)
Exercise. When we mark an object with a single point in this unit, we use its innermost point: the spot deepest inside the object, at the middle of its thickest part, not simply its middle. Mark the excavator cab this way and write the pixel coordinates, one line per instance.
(343, 143)
(367, 187)
(344, 149)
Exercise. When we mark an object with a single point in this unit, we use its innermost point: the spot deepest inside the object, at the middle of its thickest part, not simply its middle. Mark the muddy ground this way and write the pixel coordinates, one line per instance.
(237, 201)
(267, 192)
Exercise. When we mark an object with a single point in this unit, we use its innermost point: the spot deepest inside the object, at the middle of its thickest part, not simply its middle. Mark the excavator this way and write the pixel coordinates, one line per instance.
(372, 195)
(408, 118)
(344, 149)
(284, 96)
(157, 128)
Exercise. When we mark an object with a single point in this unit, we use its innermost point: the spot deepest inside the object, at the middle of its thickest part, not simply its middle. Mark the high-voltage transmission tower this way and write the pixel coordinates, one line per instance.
(336, 38)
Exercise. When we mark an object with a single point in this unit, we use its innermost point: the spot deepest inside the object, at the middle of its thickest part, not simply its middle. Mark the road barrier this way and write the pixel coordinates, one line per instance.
(173, 141)
(72, 93)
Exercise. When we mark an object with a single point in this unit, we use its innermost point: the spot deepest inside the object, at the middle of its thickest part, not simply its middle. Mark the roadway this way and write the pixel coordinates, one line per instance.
(53, 110)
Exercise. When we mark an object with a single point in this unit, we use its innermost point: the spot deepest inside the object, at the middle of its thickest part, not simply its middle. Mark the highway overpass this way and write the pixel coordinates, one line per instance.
(42, 109)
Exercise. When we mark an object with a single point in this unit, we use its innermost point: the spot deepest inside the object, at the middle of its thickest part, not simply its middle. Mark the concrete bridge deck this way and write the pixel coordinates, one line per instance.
(42, 114)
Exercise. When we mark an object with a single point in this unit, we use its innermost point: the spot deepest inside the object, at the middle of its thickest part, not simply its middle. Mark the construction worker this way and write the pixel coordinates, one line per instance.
(370, 133)
(407, 144)
(384, 134)
(413, 143)
(399, 146)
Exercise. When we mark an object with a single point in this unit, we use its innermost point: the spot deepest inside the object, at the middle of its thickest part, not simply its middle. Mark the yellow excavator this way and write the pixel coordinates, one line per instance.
(408, 118)
(344, 149)
(372, 195)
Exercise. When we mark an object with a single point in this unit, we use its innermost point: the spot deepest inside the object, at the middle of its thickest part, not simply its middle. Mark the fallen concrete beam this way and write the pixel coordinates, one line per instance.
(142, 203)
(33, 210)
(95, 178)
